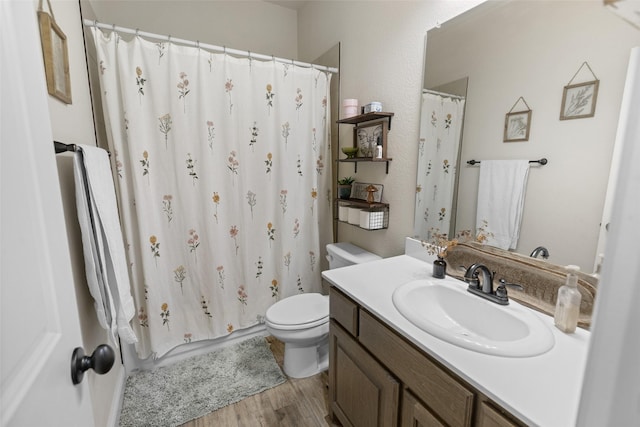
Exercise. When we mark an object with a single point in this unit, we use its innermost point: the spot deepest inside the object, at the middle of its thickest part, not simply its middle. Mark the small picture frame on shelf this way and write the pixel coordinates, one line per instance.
(367, 136)
(359, 191)
(579, 100)
(517, 126)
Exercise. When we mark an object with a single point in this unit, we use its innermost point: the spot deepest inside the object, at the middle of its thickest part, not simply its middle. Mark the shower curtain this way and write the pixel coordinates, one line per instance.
(438, 147)
(221, 165)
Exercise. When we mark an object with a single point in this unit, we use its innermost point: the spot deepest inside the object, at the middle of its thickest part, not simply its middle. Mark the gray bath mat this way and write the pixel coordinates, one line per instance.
(194, 387)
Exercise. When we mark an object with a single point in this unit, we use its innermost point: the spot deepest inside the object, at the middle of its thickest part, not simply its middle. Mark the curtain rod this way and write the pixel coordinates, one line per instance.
(250, 55)
(435, 92)
(542, 161)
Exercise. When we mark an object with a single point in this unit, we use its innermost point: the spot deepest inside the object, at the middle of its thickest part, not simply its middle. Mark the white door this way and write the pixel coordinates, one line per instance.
(38, 310)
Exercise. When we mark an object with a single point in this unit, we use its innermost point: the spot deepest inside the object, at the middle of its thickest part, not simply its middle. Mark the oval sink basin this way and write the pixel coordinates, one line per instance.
(450, 313)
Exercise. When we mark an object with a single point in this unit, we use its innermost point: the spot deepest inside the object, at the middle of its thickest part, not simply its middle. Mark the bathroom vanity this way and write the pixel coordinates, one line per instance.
(384, 370)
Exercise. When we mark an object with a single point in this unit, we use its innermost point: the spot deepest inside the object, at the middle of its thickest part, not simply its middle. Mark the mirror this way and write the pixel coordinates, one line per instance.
(531, 49)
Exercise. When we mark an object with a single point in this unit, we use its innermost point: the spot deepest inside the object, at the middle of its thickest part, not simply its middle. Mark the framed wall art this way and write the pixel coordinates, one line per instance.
(56, 57)
(579, 100)
(366, 136)
(517, 124)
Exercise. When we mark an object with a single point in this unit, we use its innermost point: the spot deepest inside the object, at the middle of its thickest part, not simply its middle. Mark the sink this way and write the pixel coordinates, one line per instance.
(447, 311)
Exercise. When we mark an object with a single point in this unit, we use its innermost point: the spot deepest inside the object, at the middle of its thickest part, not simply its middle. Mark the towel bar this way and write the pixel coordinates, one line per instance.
(542, 161)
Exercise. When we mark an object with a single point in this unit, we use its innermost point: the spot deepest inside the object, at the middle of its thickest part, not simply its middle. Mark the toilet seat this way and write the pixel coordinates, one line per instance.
(299, 312)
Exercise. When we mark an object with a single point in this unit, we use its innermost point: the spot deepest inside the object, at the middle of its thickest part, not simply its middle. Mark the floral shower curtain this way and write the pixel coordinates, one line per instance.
(440, 130)
(223, 181)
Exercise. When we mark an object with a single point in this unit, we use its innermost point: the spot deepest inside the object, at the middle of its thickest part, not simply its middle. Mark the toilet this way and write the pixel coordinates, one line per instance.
(301, 321)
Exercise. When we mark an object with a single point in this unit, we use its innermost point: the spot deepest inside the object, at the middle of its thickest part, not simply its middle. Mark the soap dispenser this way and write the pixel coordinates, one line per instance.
(379, 149)
(568, 302)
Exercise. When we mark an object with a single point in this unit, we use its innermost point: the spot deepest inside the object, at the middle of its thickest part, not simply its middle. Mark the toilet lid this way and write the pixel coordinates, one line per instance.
(301, 309)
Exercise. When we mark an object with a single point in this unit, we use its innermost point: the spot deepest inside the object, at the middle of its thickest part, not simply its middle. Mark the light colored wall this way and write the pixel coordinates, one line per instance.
(382, 51)
(249, 25)
(532, 49)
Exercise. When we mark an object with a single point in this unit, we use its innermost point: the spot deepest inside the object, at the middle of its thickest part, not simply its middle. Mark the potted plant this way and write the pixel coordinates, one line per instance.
(344, 187)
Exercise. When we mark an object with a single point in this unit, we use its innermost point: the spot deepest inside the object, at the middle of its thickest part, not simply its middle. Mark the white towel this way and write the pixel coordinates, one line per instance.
(105, 261)
(501, 192)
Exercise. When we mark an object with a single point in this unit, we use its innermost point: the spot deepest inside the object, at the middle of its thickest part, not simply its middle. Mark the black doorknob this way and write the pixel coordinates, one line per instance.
(101, 361)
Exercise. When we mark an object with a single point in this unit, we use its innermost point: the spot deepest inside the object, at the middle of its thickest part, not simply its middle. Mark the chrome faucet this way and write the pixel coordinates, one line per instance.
(486, 290)
(540, 250)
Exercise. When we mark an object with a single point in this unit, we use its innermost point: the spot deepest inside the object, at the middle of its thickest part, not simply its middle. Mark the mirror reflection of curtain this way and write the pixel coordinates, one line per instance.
(440, 129)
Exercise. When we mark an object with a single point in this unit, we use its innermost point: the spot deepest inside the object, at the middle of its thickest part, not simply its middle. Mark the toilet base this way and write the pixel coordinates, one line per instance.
(302, 361)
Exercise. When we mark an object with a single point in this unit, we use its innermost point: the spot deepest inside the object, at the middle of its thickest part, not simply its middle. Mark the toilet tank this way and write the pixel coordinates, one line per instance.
(343, 254)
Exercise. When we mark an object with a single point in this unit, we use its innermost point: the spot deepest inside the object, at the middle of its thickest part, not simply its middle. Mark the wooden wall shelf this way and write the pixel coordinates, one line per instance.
(361, 118)
(373, 130)
(355, 161)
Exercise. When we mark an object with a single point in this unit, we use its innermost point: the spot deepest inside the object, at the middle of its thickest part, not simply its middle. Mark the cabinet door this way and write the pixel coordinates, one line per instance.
(491, 417)
(361, 391)
(448, 398)
(415, 414)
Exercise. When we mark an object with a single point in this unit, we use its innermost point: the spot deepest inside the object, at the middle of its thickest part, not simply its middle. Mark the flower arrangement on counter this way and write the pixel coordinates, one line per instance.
(439, 243)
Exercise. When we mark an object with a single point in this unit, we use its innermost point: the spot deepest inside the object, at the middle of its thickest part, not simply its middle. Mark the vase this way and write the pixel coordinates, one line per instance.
(439, 268)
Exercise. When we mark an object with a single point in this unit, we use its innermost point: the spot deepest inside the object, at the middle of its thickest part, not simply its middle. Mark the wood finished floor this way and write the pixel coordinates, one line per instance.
(297, 403)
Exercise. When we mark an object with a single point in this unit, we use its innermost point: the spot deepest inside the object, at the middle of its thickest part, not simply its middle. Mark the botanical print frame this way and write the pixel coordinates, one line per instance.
(56, 58)
(365, 137)
(517, 126)
(579, 100)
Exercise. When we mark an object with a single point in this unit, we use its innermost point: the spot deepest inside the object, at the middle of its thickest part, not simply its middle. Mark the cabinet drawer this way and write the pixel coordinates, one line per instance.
(446, 397)
(343, 311)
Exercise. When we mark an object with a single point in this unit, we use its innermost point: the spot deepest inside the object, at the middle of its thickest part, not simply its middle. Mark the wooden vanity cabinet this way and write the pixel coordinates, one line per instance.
(362, 392)
(377, 378)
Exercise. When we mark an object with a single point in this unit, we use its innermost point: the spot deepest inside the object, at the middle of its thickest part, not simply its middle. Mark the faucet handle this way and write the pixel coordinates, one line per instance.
(504, 283)
(501, 290)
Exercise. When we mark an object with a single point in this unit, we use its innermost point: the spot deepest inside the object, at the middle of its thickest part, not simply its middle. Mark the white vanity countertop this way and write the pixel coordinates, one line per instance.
(543, 390)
